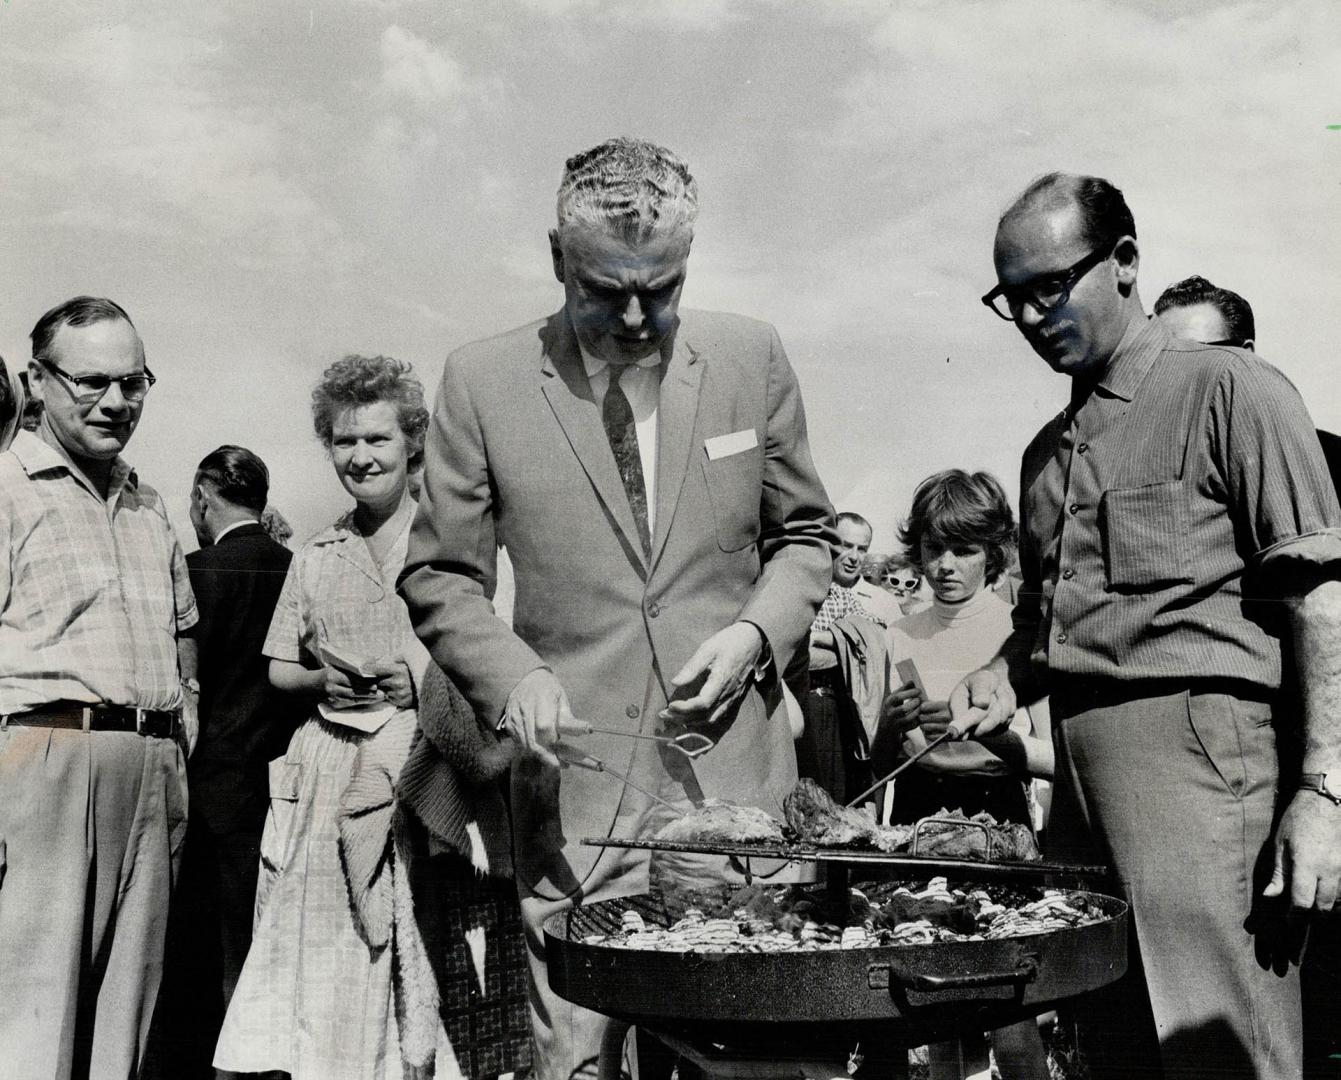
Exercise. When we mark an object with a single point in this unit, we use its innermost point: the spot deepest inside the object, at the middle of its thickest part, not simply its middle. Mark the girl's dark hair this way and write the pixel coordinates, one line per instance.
(956, 507)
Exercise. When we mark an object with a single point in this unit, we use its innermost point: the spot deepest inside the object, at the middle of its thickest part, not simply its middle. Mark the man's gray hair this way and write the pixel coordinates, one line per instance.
(629, 187)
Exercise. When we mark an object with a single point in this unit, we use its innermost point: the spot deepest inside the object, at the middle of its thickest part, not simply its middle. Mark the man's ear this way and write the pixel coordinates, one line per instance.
(1128, 258)
(556, 253)
(37, 376)
(1248, 344)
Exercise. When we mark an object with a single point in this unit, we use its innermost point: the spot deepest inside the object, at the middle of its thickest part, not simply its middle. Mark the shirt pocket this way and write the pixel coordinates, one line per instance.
(1144, 531)
(734, 490)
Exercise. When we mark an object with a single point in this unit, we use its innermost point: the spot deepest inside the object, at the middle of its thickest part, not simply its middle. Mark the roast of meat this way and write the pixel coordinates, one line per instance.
(948, 837)
(724, 822)
(814, 817)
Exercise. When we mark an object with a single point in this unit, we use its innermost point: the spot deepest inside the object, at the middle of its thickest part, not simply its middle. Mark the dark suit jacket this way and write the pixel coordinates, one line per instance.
(244, 723)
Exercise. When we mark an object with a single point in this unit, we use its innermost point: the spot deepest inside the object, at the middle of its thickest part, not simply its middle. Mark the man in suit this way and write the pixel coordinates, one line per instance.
(648, 471)
(236, 576)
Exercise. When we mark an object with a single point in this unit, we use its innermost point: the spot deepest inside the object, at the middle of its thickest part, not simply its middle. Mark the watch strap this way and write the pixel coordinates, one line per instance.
(1317, 782)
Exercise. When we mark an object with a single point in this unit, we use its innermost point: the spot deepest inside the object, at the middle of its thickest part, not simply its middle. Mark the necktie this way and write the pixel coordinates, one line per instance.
(620, 429)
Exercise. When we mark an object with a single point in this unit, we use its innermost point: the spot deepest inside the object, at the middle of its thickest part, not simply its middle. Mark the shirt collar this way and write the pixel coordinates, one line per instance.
(1133, 358)
(594, 366)
(36, 456)
(338, 531)
(236, 525)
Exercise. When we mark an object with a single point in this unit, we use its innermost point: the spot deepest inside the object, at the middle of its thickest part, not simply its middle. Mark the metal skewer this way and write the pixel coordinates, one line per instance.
(570, 756)
(691, 744)
(948, 733)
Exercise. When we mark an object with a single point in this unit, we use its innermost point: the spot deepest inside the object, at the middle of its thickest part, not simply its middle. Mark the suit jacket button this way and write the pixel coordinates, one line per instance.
(653, 609)
(632, 712)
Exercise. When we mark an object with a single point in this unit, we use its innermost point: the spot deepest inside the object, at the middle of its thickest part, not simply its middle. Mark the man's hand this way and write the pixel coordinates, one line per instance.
(1308, 853)
(190, 719)
(537, 713)
(983, 702)
(727, 659)
(392, 675)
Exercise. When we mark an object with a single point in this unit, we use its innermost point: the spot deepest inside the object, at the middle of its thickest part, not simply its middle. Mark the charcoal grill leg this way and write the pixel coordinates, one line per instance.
(610, 1064)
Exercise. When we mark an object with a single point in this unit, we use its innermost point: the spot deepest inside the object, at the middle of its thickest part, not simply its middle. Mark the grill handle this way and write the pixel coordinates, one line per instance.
(1025, 971)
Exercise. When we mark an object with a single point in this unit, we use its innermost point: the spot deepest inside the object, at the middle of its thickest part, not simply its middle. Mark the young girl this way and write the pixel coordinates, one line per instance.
(959, 536)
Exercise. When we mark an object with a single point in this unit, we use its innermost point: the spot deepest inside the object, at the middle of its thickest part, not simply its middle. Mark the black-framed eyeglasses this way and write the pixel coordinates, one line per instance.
(1047, 292)
(88, 389)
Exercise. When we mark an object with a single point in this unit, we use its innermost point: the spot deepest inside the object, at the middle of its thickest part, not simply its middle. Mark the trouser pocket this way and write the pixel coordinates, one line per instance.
(1236, 738)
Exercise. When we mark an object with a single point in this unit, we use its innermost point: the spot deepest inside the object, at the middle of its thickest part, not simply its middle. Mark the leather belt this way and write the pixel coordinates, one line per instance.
(155, 723)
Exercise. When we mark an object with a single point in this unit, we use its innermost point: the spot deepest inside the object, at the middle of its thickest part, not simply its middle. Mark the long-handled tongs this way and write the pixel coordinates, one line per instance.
(691, 744)
(570, 755)
(951, 732)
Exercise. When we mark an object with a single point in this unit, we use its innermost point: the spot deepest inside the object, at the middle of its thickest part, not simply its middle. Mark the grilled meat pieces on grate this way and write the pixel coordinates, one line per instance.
(815, 818)
(723, 822)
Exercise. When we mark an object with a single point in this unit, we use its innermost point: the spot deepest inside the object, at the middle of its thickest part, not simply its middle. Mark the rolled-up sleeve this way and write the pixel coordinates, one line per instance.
(1274, 471)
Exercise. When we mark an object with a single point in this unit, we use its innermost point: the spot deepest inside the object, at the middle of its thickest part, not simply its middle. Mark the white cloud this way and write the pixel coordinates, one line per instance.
(414, 69)
(694, 15)
(131, 129)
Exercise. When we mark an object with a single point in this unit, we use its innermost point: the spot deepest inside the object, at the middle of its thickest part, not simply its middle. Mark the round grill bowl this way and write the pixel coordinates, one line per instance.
(945, 986)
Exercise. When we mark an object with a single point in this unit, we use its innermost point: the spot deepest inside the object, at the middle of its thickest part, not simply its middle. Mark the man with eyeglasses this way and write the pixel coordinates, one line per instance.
(97, 699)
(1176, 521)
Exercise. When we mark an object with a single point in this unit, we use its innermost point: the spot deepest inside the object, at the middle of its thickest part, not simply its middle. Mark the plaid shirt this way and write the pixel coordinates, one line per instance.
(92, 593)
(839, 602)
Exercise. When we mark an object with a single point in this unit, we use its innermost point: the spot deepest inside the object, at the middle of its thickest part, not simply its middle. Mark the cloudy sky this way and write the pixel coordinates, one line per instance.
(267, 185)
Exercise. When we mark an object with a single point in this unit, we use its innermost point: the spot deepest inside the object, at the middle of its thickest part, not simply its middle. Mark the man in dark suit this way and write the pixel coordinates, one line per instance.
(236, 576)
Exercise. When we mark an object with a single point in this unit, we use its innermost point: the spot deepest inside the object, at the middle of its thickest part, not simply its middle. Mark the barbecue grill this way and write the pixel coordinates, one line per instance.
(733, 1011)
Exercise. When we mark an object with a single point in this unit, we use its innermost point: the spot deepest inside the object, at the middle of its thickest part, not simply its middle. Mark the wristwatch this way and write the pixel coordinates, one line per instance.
(1319, 782)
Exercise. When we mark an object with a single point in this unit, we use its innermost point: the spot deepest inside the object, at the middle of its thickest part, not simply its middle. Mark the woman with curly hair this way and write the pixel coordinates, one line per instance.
(337, 985)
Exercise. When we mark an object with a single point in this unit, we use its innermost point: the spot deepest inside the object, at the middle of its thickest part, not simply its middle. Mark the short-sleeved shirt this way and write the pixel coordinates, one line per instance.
(336, 593)
(93, 592)
(1155, 511)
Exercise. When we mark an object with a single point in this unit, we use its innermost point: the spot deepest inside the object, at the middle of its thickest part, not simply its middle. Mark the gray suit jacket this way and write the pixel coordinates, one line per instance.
(517, 456)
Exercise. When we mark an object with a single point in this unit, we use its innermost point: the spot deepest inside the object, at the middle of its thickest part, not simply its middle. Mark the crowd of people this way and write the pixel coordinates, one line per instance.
(304, 813)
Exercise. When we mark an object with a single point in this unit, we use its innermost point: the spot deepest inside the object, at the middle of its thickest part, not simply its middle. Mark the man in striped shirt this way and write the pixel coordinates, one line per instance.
(1176, 521)
(94, 677)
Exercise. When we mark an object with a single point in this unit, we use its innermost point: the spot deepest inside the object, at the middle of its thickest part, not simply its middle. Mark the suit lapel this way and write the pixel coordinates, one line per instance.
(565, 386)
(677, 413)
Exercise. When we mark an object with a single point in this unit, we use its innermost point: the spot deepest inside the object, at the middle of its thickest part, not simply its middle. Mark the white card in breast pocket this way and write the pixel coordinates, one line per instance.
(720, 446)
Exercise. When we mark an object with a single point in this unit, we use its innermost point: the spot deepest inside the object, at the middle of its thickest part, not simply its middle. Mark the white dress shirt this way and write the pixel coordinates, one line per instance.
(642, 386)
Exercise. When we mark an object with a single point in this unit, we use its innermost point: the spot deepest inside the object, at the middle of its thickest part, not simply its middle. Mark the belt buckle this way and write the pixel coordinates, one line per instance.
(86, 718)
(139, 720)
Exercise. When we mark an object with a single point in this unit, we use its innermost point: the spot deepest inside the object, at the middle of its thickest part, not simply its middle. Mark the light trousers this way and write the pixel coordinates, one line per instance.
(91, 828)
(1178, 792)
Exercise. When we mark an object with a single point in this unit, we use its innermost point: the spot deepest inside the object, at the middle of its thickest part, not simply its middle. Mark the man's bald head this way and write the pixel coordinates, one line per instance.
(1103, 212)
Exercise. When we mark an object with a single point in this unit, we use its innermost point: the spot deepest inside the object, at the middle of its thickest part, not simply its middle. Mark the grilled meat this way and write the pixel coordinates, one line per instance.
(723, 822)
(815, 818)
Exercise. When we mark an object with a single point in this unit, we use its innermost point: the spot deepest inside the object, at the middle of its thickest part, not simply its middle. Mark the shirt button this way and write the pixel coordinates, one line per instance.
(653, 609)
(632, 712)
(1083, 448)
(1074, 508)
(1061, 639)
(1068, 573)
